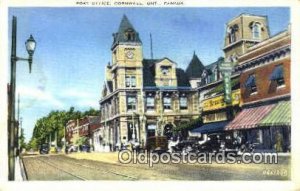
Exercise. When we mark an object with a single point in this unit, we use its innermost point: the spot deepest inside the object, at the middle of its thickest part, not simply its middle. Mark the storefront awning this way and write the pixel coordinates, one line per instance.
(279, 116)
(250, 117)
(211, 127)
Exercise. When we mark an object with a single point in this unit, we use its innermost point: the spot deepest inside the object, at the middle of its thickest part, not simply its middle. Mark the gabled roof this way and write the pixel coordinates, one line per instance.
(214, 64)
(195, 68)
(182, 78)
(149, 73)
(120, 36)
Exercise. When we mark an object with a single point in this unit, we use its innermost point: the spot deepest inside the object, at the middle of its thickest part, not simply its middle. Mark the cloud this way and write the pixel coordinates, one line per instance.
(74, 93)
(88, 103)
(39, 95)
(80, 98)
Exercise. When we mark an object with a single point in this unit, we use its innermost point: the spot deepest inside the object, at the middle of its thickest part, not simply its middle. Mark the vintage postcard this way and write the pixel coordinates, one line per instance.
(139, 92)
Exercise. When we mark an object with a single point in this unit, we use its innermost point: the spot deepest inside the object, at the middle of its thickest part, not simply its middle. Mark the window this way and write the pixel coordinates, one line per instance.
(232, 37)
(167, 102)
(151, 128)
(165, 70)
(204, 78)
(131, 103)
(277, 76)
(130, 81)
(130, 130)
(150, 103)
(232, 31)
(251, 84)
(129, 35)
(183, 102)
(256, 30)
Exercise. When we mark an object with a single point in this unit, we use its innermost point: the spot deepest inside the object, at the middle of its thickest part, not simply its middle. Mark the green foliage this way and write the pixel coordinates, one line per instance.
(54, 123)
(82, 141)
(33, 144)
(22, 140)
(190, 125)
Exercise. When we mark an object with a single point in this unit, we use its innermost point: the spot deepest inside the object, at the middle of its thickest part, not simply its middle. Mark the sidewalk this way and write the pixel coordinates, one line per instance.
(18, 170)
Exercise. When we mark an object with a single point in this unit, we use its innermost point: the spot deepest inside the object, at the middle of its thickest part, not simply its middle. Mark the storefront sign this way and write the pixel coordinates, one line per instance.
(219, 102)
(226, 69)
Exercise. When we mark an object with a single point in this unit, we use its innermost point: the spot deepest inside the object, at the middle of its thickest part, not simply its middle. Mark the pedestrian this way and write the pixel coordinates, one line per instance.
(278, 142)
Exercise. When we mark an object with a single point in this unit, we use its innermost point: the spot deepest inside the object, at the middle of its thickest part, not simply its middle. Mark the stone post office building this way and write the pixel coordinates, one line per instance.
(143, 97)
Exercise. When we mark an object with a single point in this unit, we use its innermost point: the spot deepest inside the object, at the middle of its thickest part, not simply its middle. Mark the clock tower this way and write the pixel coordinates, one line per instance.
(127, 56)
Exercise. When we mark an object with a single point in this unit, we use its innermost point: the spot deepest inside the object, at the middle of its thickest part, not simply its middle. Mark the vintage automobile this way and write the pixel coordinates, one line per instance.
(157, 144)
(44, 148)
(211, 143)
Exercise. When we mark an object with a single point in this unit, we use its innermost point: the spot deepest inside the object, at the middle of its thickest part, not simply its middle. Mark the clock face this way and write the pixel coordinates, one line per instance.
(129, 54)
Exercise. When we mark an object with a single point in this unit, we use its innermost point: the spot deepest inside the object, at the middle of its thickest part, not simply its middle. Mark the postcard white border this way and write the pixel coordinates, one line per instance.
(155, 185)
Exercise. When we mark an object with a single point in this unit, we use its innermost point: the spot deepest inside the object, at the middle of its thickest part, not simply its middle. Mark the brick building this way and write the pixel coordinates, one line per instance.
(84, 127)
(265, 89)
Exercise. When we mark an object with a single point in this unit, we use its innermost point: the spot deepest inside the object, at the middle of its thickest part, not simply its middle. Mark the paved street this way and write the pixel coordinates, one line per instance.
(62, 167)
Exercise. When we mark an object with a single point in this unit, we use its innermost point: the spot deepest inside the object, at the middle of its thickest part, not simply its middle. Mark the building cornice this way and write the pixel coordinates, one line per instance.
(270, 56)
(240, 41)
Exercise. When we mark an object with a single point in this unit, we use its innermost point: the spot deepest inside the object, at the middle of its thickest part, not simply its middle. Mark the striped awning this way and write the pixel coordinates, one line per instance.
(279, 116)
(250, 117)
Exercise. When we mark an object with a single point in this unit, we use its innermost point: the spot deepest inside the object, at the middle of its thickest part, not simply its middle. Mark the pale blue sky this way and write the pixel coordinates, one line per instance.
(73, 46)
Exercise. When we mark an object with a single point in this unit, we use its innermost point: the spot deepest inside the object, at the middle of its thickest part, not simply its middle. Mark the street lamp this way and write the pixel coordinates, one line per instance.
(30, 47)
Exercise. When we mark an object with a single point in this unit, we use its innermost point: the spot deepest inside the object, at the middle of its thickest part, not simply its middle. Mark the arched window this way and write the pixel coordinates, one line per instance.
(129, 35)
(232, 33)
(256, 30)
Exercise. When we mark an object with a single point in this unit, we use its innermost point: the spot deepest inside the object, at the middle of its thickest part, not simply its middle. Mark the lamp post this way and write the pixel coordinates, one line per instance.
(30, 47)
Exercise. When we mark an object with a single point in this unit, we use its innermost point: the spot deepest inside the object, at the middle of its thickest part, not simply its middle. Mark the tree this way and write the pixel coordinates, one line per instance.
(22, 140)
(190, 125)
(54, 123)
(82, 141)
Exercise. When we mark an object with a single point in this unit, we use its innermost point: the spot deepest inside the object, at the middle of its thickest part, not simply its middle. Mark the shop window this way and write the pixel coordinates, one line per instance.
(131, 103)
(167, 102)
(277, 76)
(183, 102)
(251, 84)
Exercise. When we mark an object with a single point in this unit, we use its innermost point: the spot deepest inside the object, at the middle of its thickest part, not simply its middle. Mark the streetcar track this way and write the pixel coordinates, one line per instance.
(69, 173)
(103, 171)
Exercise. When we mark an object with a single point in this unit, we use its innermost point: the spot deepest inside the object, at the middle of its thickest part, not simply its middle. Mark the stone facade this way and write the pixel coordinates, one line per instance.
(142, 97)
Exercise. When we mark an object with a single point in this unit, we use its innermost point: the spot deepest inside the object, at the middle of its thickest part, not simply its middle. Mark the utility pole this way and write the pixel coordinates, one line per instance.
(151, 46)
(17, 129)
(11, 112)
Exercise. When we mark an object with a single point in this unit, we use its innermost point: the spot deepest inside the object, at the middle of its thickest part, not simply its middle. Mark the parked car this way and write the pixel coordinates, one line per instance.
(44, 149)
(157, 144)
(85, 148)
(72, 148)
